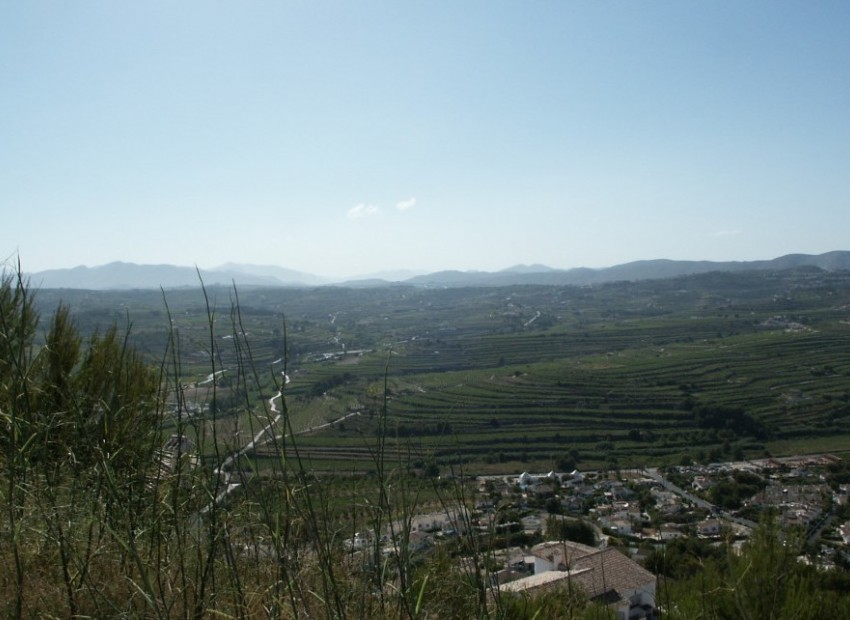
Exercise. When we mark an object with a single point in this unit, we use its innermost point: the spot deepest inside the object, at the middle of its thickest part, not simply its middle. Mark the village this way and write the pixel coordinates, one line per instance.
(594, 530)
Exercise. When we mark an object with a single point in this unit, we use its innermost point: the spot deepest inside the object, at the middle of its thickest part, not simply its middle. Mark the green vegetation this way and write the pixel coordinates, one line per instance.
(764, 581)
(709, 367)
(132, 485)
(731, 493)
(570, 529)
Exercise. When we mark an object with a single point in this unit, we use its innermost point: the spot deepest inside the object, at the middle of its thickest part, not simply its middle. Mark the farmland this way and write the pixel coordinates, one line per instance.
(700, 368)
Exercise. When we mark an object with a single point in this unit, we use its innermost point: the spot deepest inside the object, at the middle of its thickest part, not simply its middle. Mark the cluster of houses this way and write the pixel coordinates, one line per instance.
(798, 504)
(640, 505)
(639, 508)
(612, 504)
(619, 506)
(795, 487)
(604, 574)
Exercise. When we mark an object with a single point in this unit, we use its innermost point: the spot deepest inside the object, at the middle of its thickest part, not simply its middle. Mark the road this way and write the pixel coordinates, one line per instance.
(263, 436)
(211, 377)
(224, 468)
(652, 472)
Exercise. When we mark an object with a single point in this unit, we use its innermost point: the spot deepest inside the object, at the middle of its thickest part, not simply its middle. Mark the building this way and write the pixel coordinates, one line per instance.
(710, 527)
(454, 518)
(604, 575)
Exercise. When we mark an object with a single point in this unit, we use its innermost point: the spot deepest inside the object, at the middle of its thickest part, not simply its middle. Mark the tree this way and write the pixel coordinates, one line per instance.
(764, 581)
(18, 321)
(71, 407)
(79, 431)
(575, 530)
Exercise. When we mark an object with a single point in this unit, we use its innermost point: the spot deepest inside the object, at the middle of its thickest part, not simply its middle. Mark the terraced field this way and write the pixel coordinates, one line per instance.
(702, 367)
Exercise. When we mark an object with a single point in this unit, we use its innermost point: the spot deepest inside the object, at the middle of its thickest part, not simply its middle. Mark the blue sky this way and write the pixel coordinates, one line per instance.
(346, 138)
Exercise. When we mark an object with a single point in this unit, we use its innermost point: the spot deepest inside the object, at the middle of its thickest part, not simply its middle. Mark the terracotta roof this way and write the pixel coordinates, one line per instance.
(604, 574)
(568, 550)
(609, 570)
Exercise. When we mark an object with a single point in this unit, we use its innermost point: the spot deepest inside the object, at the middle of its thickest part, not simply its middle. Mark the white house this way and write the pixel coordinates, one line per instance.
(605, 575)
(453, 518)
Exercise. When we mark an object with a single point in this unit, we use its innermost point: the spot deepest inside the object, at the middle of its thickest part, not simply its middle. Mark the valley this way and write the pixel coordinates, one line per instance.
(703, 367)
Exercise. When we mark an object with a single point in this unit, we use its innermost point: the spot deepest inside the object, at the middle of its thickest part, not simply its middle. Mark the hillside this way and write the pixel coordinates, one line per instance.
(124, 276)
(509, 376)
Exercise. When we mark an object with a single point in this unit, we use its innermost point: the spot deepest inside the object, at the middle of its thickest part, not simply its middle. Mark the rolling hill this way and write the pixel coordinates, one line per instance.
(125, 276)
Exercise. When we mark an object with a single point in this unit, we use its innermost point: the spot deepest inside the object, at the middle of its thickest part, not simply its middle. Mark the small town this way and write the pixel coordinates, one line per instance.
(602, 531)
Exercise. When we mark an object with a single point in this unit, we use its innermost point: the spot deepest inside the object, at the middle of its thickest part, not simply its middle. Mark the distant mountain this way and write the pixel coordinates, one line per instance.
(654, 269)
(132, 276)
(398, 275)
(536, 268)
(638, 270)
(281, 274)
(120, 275)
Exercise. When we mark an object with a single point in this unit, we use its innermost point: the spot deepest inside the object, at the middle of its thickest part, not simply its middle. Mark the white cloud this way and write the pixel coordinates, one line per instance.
(404, 205)
(726, 233)
(362, 210)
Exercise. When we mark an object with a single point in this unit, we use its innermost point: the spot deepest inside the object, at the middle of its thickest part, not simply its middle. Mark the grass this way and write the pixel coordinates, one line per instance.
(97, 524)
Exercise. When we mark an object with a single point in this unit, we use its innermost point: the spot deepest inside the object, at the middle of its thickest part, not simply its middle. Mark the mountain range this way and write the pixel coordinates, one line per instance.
(119, 275)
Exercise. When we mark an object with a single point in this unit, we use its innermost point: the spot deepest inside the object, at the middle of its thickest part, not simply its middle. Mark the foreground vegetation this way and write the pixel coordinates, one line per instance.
(763, 580)
(99, 520)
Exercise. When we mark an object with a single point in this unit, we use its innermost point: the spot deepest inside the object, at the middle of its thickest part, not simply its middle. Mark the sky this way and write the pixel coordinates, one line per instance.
(349, 138)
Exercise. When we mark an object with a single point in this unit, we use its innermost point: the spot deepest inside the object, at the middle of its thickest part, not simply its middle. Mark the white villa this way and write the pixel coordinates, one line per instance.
(605, 575)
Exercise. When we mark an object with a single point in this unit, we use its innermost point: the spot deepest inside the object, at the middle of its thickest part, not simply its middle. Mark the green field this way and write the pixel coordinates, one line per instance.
(709, 367)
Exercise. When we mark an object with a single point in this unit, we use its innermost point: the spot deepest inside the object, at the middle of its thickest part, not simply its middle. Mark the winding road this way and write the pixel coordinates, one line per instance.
(260, 439)
(653, 473)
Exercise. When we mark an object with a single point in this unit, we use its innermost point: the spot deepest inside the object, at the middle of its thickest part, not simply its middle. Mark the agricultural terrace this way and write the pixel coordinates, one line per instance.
(707, 367)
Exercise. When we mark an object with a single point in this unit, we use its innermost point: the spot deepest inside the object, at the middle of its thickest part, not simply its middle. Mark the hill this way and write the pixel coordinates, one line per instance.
(634, 271)
(119, 275)
(126, 276)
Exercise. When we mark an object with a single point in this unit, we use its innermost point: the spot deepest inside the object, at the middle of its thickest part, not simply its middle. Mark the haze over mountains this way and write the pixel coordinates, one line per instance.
(119, 275)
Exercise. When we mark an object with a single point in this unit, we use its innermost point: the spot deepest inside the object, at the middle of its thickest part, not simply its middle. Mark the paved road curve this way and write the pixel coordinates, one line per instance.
(652, 472)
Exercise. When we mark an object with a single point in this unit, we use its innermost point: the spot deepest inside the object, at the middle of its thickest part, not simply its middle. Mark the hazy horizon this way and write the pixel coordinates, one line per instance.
(392, 274)
(346, 139)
